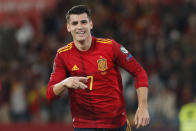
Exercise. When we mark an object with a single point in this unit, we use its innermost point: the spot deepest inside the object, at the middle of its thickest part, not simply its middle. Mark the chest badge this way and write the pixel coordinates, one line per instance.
(75, 68)
(102, 64)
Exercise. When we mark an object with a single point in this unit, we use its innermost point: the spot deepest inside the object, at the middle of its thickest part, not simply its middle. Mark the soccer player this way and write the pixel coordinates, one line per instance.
(88, 68)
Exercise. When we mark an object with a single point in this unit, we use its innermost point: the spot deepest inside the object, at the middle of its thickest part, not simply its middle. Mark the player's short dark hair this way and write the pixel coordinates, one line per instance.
(78, 9)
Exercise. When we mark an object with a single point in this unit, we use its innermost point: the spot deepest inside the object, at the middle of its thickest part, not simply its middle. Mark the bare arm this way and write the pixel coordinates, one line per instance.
(142, 94)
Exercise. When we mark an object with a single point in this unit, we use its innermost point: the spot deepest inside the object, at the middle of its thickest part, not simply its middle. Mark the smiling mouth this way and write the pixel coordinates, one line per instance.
(80, 32)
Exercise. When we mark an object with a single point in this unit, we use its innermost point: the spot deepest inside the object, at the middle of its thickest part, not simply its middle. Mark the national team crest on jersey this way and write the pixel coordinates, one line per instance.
(102, 64)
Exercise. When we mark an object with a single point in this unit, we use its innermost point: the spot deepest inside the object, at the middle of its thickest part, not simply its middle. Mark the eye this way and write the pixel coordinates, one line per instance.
(74, 23)
(84, 21)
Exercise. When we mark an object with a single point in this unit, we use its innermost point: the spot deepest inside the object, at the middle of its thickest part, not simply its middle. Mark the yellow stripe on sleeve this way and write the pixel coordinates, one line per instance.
(65, 48)
(101, 39)
(107, 42)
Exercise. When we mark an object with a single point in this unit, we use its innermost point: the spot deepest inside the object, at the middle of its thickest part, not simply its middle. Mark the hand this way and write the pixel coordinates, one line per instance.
(75, 82)
(142, 117)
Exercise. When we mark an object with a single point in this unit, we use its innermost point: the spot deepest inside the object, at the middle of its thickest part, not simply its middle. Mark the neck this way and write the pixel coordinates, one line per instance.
(83, 45)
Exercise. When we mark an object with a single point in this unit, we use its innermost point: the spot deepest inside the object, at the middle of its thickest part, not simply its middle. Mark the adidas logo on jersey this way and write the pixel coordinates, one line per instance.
(75, 68)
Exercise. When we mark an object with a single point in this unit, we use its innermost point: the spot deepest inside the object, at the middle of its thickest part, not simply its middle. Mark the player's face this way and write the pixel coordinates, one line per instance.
(80, 26)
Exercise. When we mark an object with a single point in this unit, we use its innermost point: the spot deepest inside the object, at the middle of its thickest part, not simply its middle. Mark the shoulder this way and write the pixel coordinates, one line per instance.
(65, 48)
(106, 43)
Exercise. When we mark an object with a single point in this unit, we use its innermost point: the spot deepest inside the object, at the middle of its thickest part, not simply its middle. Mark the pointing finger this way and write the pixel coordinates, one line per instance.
(83, 79)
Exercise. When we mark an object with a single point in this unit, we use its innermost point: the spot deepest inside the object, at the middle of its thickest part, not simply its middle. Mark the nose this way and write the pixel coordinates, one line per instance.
(79, 26)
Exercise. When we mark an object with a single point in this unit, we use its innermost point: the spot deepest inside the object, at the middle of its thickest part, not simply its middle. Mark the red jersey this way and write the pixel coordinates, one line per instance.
(102, 104)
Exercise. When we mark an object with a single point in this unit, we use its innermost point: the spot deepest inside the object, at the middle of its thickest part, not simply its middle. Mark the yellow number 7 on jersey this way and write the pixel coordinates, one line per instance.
(91, 82)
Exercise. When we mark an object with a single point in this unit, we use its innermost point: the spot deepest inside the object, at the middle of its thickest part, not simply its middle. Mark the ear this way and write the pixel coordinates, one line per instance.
(68, 28)
(91, 24)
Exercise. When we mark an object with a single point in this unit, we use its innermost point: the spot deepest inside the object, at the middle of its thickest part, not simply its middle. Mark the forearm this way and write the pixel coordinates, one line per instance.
(59, 88)
(142, 94)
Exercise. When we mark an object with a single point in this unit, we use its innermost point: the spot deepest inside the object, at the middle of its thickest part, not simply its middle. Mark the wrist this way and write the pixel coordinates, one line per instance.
(64, 83)
(143, 105)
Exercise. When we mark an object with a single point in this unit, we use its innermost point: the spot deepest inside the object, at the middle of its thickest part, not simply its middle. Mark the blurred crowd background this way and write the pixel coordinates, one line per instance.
(160, 34)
